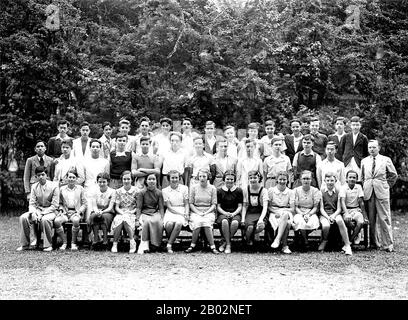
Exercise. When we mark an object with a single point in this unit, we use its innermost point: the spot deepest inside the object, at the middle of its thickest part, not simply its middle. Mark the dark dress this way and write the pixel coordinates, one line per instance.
(229, 200)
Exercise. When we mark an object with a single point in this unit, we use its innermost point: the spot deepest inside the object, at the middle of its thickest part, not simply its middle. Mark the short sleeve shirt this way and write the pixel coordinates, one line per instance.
(351, 195)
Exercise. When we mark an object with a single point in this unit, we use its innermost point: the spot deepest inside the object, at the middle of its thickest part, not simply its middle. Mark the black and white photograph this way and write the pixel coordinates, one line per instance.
(211, 152)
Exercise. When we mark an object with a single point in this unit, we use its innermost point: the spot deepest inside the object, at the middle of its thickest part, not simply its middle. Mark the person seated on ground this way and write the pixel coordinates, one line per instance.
(175, 198)
(203, 202)
(255, 207)
(125, 207)
(275, 163)
(149, 215)
(72, 208)
(102, 210)
(281, 209)
(229, 207)
(42, 210)
(352, 203)
(307, 200)
(330, 212)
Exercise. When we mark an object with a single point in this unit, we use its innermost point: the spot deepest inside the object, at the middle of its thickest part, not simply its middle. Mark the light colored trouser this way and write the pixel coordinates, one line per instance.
(379, 214)
(45, 226)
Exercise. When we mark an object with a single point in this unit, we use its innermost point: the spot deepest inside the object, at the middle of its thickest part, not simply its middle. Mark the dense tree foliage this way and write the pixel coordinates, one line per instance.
(230, 61)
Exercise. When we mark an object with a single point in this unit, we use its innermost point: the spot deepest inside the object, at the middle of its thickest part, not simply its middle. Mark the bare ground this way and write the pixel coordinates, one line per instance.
(202, 275)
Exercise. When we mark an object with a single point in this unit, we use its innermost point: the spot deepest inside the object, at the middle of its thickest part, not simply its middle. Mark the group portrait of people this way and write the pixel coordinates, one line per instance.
(151, 186)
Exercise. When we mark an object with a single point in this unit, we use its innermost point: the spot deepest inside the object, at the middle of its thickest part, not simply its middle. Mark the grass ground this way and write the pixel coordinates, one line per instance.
(241, 275)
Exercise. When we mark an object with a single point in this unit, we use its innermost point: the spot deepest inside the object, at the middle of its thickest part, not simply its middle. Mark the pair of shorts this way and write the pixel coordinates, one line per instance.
(221, 217)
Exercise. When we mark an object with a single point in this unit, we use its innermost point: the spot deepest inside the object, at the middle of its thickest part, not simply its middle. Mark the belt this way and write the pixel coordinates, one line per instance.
(280, 207)
(71, 208)
(352, 207)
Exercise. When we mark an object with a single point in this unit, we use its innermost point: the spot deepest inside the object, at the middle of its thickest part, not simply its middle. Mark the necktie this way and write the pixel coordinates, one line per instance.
(373, 168)
(41, 161)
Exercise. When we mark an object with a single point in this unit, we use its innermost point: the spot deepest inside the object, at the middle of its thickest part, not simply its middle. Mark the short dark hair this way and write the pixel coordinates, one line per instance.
(355, 119)
(229, 173)
(40, 169)
(168, 120)
(144, 139)
(67, 141)
(105, 124)
(253, 125)
(124, 120)
(351, 171)
(187, 119)
(40, 141)
(103, 175)
(255, 173)
(125, 173)
(210, 123)
(269, 123)
(295, 120)
(62, 121)
(175, 133)
(142, 119)
(331, 143)
(73, 171)
(95, 140)
(314, 119)
(308, 137)
(83, 124)
(342, 119)
(121, 135)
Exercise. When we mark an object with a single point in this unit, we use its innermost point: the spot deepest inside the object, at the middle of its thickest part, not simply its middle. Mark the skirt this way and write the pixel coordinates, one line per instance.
(152, 228)
(173, 217)
(198, 221)
(274, 221)
(221, 217)
(130, 219)
(299, 222)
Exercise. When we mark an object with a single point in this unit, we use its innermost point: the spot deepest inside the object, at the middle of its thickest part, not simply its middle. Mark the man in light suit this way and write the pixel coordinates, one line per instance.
(40, 159)
(353, 147)
(80, 146)
(378, 176)
(42, 209)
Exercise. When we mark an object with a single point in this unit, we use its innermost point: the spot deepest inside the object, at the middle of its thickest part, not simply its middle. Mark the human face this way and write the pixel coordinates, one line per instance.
(107, 131)
(253, 133)
(306, 180)
(203, 178)
(175, 142)
(229, 134)
(66, 150)
(145, 145)
(295, 127)
(222, 148)
(72, 178)
(330, 182)
(62, 129)
(209, 130)
(42, 177)
(40, 149)
(174, 180)
(95, 149)
(229, 181)
(144, 127)
(250, 147)
(339, 126)
(127, 180)
(307, 145)
(186, 126)
(199, 145)
(351, 179)
(355, 127)
(330, 152)
(314, 126)
(282, 181)
(277, 146)
(253, 180)
(270, 130)
(373, 148)
(121, 143)
(103, 184)
(151, 181)
(85, 131)
(165, 126)
(125, 128)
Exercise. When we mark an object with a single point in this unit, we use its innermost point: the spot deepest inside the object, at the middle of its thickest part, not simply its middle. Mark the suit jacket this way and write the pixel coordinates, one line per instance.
(347, 150)
(29, 171)
(44, 199)
(54, 146)
(383, 179)
(77, 149)
(333, 137)
(290, 146)
(80, 200)
(207, 148)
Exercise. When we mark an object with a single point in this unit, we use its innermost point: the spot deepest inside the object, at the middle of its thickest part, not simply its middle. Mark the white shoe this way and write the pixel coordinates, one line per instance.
(33, 243)
(286, 250)
(142, 246)
(132, 248)
(227, 249)
(48, 249)
(22, 248)
(222, 247)
(275, 244)
(347, 250)
(114, 247)
(63, 247)
(74, 247)
(357, 239)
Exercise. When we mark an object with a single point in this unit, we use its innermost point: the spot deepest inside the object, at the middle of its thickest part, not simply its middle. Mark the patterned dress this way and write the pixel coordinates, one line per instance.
(126, 199)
